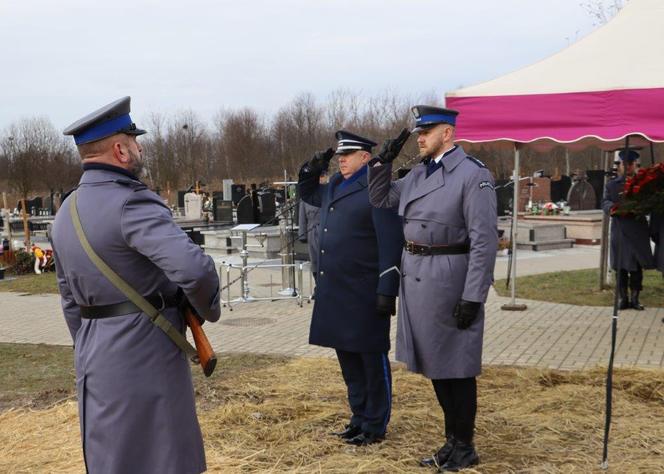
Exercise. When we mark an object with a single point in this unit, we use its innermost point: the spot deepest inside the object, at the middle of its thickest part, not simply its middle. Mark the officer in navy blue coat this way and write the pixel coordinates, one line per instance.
(358, 281)
(135, 394)
(630, 237)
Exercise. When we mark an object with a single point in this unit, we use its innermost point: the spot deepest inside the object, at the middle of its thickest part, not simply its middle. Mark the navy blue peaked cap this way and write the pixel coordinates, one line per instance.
(427, 116)
(631, 155)
(349, 143)
(109, 120)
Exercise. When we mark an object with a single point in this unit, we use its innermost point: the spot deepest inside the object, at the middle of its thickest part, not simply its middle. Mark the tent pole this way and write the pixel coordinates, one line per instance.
(652, 154)
(513, 306)
(604, 244)
(614, 334)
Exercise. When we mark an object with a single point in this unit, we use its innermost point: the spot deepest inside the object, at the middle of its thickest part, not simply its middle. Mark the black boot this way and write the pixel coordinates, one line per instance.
(463, 456)
(350, 431)
(440, 457)
(635, 301)
(623, 301)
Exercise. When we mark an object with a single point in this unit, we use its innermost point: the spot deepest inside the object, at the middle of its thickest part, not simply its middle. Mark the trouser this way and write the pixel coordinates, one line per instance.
(458, 399)
(369, 381)
(633, 280)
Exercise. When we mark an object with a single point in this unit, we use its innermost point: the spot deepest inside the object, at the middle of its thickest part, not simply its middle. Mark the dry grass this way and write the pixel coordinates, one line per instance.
(276, 418)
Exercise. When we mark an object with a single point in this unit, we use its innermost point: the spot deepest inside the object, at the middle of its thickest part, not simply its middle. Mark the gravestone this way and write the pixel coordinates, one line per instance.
(222, 210)
(238, 191)
(581, 196)
(596, 180)
(227, 187)
(245, 211)
(267, 208)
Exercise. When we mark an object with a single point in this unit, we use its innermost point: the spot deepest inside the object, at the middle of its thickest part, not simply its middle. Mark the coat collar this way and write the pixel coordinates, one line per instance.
(452, 160)
(101, 173)
(359, 184)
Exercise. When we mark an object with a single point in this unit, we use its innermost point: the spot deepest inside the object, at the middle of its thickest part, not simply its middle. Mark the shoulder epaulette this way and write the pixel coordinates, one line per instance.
(476, 161)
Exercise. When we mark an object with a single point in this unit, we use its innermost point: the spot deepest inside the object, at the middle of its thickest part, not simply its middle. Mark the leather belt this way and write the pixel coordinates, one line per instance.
(452, 249)
(127, 307)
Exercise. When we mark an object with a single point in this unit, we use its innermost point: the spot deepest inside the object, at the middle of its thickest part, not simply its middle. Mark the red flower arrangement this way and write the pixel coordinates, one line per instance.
(644, 193)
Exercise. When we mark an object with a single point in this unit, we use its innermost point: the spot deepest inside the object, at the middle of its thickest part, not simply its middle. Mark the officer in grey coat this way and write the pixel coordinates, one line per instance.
(309, 228)
(358, 281)
(630, 237)
(448, 205)
(135, 393)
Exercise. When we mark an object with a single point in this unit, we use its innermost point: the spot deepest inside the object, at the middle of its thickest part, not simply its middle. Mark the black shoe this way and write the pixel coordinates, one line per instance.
(635, 301)
(623, 303)
(364, 439)
(350, 431)
(463, 456)
(441, 457)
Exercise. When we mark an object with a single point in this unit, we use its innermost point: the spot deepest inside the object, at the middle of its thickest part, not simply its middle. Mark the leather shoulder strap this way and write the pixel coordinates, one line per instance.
(149, 310)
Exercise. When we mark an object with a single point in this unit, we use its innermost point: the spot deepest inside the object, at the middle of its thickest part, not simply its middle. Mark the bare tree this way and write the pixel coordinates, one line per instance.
(602, 10)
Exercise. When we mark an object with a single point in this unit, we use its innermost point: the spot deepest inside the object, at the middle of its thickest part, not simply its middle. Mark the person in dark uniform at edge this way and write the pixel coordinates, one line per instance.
(135, 393)
(309, 230)
(448, 206)
(358, 281)
(630, 237)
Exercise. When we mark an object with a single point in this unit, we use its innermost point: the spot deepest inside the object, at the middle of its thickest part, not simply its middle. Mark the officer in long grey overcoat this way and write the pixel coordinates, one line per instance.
(135, 393)
(630, 237)
(358, 281)
(448, 206)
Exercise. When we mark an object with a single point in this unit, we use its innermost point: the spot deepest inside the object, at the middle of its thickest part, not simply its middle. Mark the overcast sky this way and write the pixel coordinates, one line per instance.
(62, 59)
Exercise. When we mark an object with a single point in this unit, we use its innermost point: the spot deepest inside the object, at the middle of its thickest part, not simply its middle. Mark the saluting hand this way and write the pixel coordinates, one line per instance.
(465, 312)
(392, 147)
(321, 161)
(386, 306)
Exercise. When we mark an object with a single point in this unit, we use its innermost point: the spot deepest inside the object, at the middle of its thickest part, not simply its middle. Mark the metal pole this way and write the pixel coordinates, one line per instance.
(243, 276)
(609, 372)
(604, 244)
(652, 154)
(513, 306)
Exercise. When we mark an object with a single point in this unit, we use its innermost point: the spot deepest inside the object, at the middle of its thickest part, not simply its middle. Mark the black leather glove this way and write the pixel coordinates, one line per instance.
(386, 306)
(321, 161)
(465, 312)
(392, 147)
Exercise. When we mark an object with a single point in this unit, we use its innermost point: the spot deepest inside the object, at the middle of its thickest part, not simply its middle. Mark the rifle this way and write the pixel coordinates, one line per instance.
(205, 354)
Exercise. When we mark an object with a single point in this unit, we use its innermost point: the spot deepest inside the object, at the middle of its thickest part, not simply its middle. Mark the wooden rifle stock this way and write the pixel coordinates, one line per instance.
(206, 356)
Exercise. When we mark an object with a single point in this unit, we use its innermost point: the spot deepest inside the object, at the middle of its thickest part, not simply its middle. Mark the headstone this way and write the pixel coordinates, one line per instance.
(222, 210)
(238, 191)
(560, 188)
(267, 208)
(227, 186)
(193, 206)
(581, 196)
(504, 196)
(245, 211)
(181, 198)
(596, 180)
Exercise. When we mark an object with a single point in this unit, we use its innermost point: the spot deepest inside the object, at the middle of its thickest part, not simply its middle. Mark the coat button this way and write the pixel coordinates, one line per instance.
(417, 279)
(322, 251)
(325, 229)
(321, 272)
(331, 209)
(424, 226)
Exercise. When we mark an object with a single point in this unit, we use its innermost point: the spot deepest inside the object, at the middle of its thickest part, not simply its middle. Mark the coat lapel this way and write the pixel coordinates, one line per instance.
(424, 185)
(358, 185)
